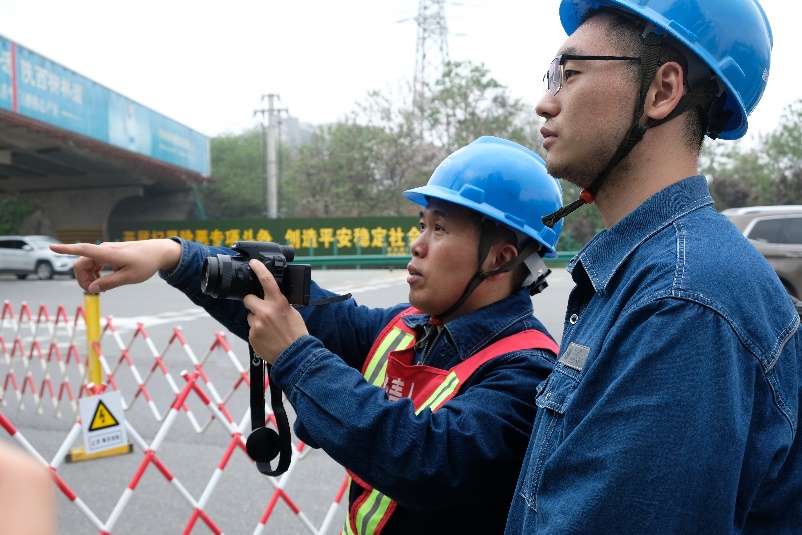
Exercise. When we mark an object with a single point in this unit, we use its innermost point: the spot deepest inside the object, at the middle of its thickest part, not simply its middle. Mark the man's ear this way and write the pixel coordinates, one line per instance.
(665, 91)
(500, 253)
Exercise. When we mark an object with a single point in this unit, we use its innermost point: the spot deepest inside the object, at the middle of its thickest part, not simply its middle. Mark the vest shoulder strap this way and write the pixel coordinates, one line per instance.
(528, 339)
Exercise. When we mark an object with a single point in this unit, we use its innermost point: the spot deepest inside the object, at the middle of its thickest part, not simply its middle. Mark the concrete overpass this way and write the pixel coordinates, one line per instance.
(87, 156)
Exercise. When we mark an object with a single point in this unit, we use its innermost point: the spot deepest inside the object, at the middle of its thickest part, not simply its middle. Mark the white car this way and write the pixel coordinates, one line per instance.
(24, 255)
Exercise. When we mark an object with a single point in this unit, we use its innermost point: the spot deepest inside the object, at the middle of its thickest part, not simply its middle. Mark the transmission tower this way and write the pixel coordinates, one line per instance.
(431, 52)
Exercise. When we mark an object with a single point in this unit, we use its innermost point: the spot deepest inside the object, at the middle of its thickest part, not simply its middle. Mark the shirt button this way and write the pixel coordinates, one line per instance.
(573, 319)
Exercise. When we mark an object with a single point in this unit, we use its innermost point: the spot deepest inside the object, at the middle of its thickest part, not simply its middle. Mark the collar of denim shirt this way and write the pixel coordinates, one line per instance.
(471, 332)
(603, 255)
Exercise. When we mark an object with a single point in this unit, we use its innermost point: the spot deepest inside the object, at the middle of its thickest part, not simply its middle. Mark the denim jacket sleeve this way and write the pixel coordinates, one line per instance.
(186, 277)
(468, 451)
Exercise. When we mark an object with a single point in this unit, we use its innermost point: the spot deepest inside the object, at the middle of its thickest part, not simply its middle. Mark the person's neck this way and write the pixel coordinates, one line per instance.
(487, 293)
(653, 165)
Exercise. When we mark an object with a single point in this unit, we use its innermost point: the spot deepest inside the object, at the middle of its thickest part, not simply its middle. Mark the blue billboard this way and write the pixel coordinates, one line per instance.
(36, 87)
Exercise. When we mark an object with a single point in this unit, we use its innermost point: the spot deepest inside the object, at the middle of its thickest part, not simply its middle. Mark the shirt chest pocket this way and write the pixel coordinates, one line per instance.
(554, 396)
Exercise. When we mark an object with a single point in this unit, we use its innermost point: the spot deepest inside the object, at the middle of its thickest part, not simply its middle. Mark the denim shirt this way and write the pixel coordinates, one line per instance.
(674, 405)
(452, 471)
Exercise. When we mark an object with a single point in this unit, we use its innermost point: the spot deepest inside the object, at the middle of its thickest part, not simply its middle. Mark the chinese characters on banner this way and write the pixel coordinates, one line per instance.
(319, 240)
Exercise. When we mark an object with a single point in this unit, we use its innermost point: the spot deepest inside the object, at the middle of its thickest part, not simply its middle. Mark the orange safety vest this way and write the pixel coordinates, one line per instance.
(389, 365)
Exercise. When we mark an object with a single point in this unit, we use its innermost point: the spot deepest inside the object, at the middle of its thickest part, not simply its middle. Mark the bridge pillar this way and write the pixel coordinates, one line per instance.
(87, 214)
(75, 214)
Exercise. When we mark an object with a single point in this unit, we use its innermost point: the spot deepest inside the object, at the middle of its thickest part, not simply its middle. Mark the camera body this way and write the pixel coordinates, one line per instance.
(230, 277)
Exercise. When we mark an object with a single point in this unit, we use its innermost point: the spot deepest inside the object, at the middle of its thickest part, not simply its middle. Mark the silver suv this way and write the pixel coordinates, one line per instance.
(24, 255)
(776, 231)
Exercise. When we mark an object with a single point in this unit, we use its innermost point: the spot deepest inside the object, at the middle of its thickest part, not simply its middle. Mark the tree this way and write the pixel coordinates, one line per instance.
(766, 174)
(735, 169)
(467, 103)
(402, 159)
(13, 213)
(361, 164)
(238, 171)
(730, 192)
(333, 175)
(789, 187)
(783, 147)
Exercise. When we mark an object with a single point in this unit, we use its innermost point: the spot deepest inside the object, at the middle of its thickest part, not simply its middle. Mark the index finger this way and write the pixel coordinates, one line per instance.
(269, 284)
(89, 250)
(87, 268)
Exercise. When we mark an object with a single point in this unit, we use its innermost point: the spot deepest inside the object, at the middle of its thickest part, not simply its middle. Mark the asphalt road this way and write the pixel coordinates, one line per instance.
(236, 501)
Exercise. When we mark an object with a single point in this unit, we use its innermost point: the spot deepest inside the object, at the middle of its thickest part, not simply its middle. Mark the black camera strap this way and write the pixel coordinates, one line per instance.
(265, 444)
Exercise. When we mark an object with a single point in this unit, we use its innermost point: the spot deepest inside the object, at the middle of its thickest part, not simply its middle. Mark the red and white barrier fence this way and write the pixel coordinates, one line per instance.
(41, 360)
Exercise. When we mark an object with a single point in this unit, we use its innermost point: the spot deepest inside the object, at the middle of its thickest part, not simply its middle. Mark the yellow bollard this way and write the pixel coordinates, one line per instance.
(92, 316)
(92, 313)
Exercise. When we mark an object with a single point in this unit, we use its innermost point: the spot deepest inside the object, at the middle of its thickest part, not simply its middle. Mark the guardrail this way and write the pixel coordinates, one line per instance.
(387, 261)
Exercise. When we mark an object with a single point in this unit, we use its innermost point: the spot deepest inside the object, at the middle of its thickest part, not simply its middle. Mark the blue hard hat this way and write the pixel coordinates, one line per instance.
(502, 180)
(732, 37)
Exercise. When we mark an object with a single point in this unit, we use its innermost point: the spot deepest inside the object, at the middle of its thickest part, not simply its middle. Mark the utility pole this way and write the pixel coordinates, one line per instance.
(271, 174)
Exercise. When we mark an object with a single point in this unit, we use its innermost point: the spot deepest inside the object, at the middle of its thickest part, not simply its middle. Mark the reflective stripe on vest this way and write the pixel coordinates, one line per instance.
(376, 365)
(367, 512)
(371, 511)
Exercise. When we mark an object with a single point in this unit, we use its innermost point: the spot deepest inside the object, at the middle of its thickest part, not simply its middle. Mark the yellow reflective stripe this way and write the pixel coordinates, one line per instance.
(379, 381)
(371, 512)
(375, 506)
(377, 367)
(381, 351)
(347, 527)
(405, 342)
(446, 388)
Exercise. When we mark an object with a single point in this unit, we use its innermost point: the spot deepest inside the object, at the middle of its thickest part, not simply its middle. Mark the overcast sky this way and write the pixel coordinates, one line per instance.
(207, 63)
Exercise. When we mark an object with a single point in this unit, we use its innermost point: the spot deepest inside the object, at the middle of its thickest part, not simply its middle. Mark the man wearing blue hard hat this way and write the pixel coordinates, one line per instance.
(428, 405)
(674, 405)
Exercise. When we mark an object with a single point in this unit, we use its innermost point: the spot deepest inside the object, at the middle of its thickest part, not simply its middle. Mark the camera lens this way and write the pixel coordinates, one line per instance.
(217, 275)
(230, 277)
(211, 276)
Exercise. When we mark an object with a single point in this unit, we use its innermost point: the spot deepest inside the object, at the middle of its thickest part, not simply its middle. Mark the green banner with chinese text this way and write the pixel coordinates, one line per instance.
(319, 236)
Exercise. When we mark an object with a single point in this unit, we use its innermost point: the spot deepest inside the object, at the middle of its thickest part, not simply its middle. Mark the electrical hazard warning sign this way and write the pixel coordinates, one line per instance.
(102, 418)
(103, 422)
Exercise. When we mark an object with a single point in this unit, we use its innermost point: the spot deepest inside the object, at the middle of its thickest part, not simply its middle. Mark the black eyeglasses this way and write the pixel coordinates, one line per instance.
(553, 79)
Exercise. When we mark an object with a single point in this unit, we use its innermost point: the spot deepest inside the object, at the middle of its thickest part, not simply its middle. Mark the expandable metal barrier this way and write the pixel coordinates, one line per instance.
(54, 350)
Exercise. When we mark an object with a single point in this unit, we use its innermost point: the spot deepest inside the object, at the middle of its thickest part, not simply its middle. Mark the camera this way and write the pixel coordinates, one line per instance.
(230, 277)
